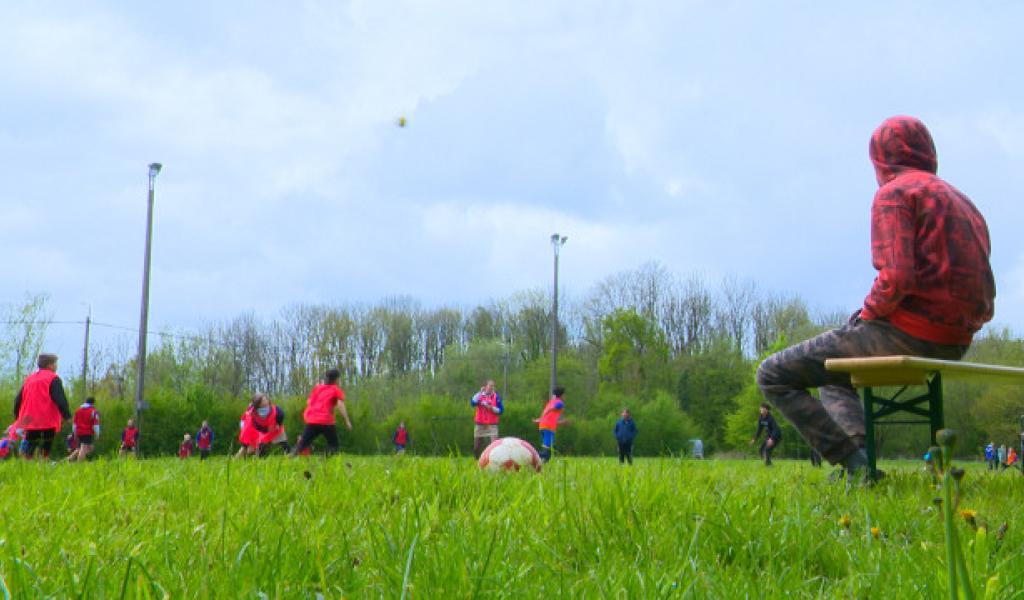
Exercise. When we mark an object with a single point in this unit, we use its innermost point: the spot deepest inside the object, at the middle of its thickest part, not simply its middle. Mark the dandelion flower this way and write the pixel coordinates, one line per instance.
(876, 532)
(844, 521)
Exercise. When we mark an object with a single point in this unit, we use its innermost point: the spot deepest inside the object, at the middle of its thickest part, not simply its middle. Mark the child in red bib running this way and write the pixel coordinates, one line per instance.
(401, 438)
(319, 414)
(129, 438)
(548, 422)
(86, 429)
(41, 407)
(185, 449)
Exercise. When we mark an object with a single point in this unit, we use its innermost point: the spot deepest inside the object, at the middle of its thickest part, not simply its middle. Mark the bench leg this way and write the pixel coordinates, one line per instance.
(869, 426)
(935, 417)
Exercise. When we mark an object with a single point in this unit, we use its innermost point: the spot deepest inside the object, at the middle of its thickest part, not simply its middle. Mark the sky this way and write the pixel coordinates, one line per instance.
(727, 139)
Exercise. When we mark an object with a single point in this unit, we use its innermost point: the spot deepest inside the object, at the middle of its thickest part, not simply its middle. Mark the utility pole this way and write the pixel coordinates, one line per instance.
(504, 383)
(557, 241)
(85, 357)
(140, 361)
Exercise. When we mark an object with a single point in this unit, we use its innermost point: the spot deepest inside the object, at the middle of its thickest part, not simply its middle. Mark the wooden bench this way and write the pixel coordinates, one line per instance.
(904, 371)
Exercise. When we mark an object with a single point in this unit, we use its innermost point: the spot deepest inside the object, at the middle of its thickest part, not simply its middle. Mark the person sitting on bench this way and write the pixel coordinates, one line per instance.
(933, 291)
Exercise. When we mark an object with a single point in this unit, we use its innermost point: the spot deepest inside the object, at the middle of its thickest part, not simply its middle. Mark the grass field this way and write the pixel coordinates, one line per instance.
(388, 527)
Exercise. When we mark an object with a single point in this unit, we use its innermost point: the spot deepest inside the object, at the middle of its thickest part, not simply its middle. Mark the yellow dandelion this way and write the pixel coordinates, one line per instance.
(876, 532)
(968, 514)
(844, 521)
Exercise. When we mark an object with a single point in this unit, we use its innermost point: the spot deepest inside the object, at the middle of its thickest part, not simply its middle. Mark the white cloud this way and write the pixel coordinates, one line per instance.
(706, 137)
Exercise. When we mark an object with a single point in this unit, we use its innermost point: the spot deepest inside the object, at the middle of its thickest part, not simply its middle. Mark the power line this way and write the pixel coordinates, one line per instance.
(167, 334)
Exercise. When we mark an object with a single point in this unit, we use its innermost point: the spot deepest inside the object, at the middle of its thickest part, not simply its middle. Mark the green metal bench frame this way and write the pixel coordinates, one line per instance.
(903, 372)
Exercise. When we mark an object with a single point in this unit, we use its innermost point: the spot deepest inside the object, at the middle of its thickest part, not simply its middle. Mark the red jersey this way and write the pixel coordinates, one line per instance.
(321, 403)
(185, 450)
(552, 411)
(87, 418)
(929, 243)
(401, 436)
(130, 437)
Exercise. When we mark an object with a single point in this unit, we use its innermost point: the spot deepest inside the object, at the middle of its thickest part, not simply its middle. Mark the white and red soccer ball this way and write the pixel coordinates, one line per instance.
(510, 454)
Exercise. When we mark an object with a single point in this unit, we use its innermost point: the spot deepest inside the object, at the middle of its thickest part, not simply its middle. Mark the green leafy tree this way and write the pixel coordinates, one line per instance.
(635, 359)
(708, 383)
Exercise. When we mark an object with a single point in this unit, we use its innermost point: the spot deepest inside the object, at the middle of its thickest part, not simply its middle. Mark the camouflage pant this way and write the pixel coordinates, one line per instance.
(834, 424)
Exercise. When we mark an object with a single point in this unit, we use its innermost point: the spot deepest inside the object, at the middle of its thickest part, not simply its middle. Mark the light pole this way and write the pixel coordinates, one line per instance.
(140, 361)
(85, 356)
(556, 242)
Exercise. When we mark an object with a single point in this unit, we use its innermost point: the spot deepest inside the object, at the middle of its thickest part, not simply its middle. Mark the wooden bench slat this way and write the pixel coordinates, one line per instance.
(875, 371)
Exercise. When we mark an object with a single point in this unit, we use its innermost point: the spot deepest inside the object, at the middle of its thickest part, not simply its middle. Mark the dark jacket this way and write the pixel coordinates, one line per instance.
(768, 425)
(625, 430)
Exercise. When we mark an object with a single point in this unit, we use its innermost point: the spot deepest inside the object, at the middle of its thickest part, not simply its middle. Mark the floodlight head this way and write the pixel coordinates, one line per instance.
(154, 169)
(554, 238)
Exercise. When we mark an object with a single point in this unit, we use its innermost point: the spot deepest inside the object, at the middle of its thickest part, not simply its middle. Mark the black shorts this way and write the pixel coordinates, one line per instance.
(312, 431)
(85, 439)
(41, 439)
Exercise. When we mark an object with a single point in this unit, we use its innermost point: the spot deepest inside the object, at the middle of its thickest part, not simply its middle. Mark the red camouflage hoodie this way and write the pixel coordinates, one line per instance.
(929, 243)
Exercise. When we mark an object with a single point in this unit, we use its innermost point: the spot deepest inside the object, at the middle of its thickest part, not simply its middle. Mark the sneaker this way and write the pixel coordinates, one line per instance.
(865, 478)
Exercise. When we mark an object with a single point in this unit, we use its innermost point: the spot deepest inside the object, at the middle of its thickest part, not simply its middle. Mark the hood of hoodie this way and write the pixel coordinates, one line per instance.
(899, 144)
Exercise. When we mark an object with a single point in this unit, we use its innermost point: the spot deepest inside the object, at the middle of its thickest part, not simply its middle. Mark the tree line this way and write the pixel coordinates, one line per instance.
(680, 352)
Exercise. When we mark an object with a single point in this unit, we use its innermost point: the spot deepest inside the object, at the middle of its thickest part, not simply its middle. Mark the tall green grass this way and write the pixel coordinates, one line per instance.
(392, 527)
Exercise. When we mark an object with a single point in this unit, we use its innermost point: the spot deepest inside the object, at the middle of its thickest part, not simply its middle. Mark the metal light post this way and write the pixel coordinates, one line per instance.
(556, 242)
(140, 361)
(85, 356)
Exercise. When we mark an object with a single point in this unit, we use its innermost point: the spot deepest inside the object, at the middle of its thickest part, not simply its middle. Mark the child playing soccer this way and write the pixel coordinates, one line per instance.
(549, 421)
(86, 429)
(319, 414)
(204, 440)
(401, 438)
(129, 438)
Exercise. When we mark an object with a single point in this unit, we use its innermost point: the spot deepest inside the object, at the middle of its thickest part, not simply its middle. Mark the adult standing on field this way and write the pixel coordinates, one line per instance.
(319, 414)
(488, 407)
(934, 290)
(86, 429)
(772, 433)
(625, 433)
(40, 408)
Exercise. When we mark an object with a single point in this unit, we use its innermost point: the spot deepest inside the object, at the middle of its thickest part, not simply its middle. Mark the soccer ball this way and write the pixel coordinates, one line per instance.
(509, 454)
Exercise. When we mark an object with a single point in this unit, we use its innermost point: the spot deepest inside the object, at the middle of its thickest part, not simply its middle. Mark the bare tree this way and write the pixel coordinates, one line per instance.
(734, 310)
(26, 332)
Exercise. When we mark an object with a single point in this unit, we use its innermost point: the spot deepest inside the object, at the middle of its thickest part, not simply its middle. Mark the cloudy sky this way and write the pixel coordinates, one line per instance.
(716, 137)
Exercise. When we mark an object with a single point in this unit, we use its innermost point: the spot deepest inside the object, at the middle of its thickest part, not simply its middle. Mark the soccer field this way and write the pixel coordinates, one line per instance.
(392, 527)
